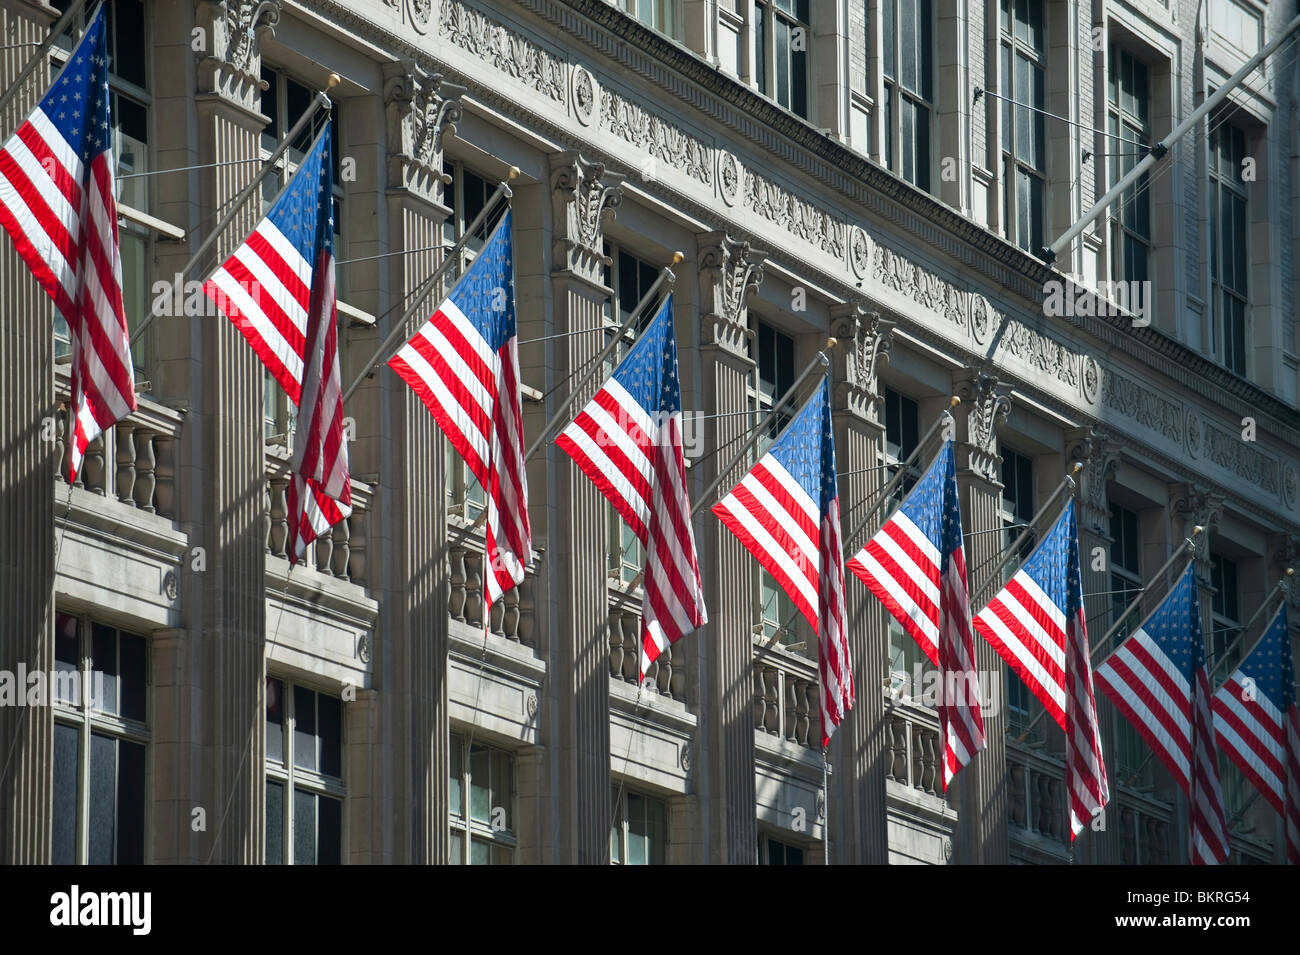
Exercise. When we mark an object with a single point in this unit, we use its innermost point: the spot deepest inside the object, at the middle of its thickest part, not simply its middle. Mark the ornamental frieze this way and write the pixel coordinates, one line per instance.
(662, 140)
(1145, 407)
(508, 51)
(1242, 458)
(801, 219)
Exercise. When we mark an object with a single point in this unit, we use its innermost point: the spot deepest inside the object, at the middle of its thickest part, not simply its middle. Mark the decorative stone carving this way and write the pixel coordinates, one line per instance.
(859, 252)
(1090, 381)
(1146, 407)
(730, 271)
(418, 13)
(1194, 433)
(1244, 459)
(531, 705)
(583, 193)
(685, 759)
(1290, 485)
(422, 110)
(1195, 505)
(730, 176)
(1099, 453)
(862, 341)
(987, 402)
(934, 292)
(801, 219)
(233, 64)
(508, 51)
(584, 95)
(363, 648)
(665, 143)
(981, 318)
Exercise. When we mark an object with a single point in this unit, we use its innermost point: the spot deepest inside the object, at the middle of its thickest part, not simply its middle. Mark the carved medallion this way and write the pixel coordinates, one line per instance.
(363, 648)
(584, 95)
(1194, 432)
(1290, 485)
(1090, 381)
(980, 317)
(728, 177)
(860, 252)
(418, 13)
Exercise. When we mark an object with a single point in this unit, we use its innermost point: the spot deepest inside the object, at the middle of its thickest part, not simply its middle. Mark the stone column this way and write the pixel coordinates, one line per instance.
(858, 811)
(981, 788)
(398, 440)
(206, 364)
(1098, 452)
(729, 271)
(29, 462)
(582, 194)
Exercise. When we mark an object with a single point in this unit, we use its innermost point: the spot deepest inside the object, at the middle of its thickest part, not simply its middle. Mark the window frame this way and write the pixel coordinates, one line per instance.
(895, 92)
(1125, 153)
(768, 16)
(1222, 186)
(620, 827)
(465, 827)
(659, 12)
(1013, 48)
(89, 721)
(902, 416)
(1225, 614)
(765, 843)
(292, 777)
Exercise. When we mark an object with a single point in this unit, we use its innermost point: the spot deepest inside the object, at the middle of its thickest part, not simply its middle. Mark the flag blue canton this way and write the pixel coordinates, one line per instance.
(648, 373)
(1175, 627)
(78, 101)
(1054, 565)
(933, 505)
(295, 210)
(1270, 664)
(485, 293)
(806, 449)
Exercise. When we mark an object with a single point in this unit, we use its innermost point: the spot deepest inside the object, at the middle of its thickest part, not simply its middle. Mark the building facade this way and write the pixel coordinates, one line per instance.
(872, 178)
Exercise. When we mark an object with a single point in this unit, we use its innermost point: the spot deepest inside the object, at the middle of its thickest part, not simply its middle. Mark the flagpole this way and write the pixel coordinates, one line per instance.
(667, 275)
(1067, 483)
(826, 825)
(57, 30)
(399, 327)
(321, 99)
(821, 358)
(883, 495)
(1095, 649)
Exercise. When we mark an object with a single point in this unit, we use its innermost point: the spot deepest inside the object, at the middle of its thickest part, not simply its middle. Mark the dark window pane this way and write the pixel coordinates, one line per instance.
(628, 292)
(304, 728)
(103, 659)
(760, 50)
(888, 36)
(274, 823)
(297, 100)
(331, 735)
(456, 761)
(103, 798)
(64, 828)
(480, 796)
(799, 81)
(271, 109)
(128, 53)
(781, 60)
(793, 856)
(66, 657)
(274, 720)
(330, 844)
(130, 803)
(134, 676)
(922, 179)
(479, 852)
(304, 828)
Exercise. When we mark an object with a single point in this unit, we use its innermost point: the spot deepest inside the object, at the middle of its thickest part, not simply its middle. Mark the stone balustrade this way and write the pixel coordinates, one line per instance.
(342, 552)
(666, 675)
(786, 701)
(915, 748)
(133, 462)
(513, 617)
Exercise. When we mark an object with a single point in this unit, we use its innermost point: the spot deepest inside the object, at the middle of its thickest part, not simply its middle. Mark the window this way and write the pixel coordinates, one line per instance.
(661, 15)
(1226, 615)
(284, 101)
(639, 832)
(304, 775)
(1017, 509)
(630, 277)
(1024, 156)
(1229, 257)
(902, 433)
(908, 29)
(128, 82)
(1125, 585)
(772, 379)
(773, 852)
(1128, 97)
(1125, 575)
(781, 37)
(482, 804)
(101, 738)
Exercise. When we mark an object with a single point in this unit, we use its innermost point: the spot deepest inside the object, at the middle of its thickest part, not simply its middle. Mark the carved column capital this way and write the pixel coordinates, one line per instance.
(1095, 448)
(862, 341)
(583, 194)
(730, 271)
(1196, 505)
(986, 403)
(422, 110)
(234, 31)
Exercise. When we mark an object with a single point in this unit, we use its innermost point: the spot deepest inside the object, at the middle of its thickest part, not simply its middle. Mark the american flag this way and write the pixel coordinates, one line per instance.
(628, 441)
(1036, 625)
(786, 511)
(916, 566)
(1258, 727)
(57, 203)
(463, 364)
(1157, 679)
